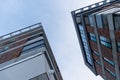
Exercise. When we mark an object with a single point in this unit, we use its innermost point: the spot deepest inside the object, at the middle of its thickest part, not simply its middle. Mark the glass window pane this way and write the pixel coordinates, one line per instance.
(99, 21)
(4, 49)
(108, 45)
(33, 44)
(97, 53)
(106, 42)
(83, 36)
(86, 20)
(117, 22)
(118, 49)
(105, 21)
(103, 38)
(82, 32)
(32, 49)
(89, 60)
(113, 74)
(85, 44)
(118, 43)
(84, 40)
(91, 20)
(98, 62)
(109, 61)
(81, 27)
(92, 37)
(78, 20)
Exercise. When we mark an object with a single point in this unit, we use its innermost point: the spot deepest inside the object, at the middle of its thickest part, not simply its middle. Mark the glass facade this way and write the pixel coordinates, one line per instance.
(106, 42)
(85, 44)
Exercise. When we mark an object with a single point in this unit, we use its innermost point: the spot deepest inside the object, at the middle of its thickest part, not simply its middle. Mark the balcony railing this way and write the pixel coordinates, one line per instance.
(20, 31)
(94, 6)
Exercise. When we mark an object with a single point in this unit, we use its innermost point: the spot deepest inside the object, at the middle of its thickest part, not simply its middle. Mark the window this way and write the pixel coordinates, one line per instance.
(98, 62)
(88, 57)
(33, 46)
(101, 20)
(109, 61)
(33, 36)
(83, 36)
(91, 20)
(81, 28)
(105, 21)
(4, 49)
(78, 20)
(97, 53)
(92, 37)
(85, 45)
(117, 21)
(118, 46)
(106, 42)
(86, 20)
(112, 73)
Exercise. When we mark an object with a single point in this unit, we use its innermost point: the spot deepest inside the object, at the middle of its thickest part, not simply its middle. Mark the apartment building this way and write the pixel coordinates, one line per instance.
(98, 30)
(25, 54)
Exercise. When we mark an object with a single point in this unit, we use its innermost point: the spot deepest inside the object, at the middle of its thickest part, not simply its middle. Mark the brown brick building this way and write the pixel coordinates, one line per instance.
(98, 31)
(25, 54)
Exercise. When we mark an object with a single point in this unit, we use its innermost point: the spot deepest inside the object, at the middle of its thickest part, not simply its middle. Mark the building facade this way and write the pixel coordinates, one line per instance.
(26, 55)
(98, 31)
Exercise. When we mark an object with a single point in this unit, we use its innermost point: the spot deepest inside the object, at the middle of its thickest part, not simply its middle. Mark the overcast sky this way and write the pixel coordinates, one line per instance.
(56, 18)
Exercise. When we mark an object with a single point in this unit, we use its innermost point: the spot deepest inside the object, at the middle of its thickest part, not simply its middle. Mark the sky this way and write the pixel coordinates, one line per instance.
(55, 16)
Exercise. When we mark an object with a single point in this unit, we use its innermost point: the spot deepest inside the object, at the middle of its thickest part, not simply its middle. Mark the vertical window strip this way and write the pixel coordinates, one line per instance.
(91, 20)
(83, 38)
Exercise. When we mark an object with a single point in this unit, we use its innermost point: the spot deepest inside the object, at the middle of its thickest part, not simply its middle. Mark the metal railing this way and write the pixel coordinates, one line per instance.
(93, 6)
(20, 31)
